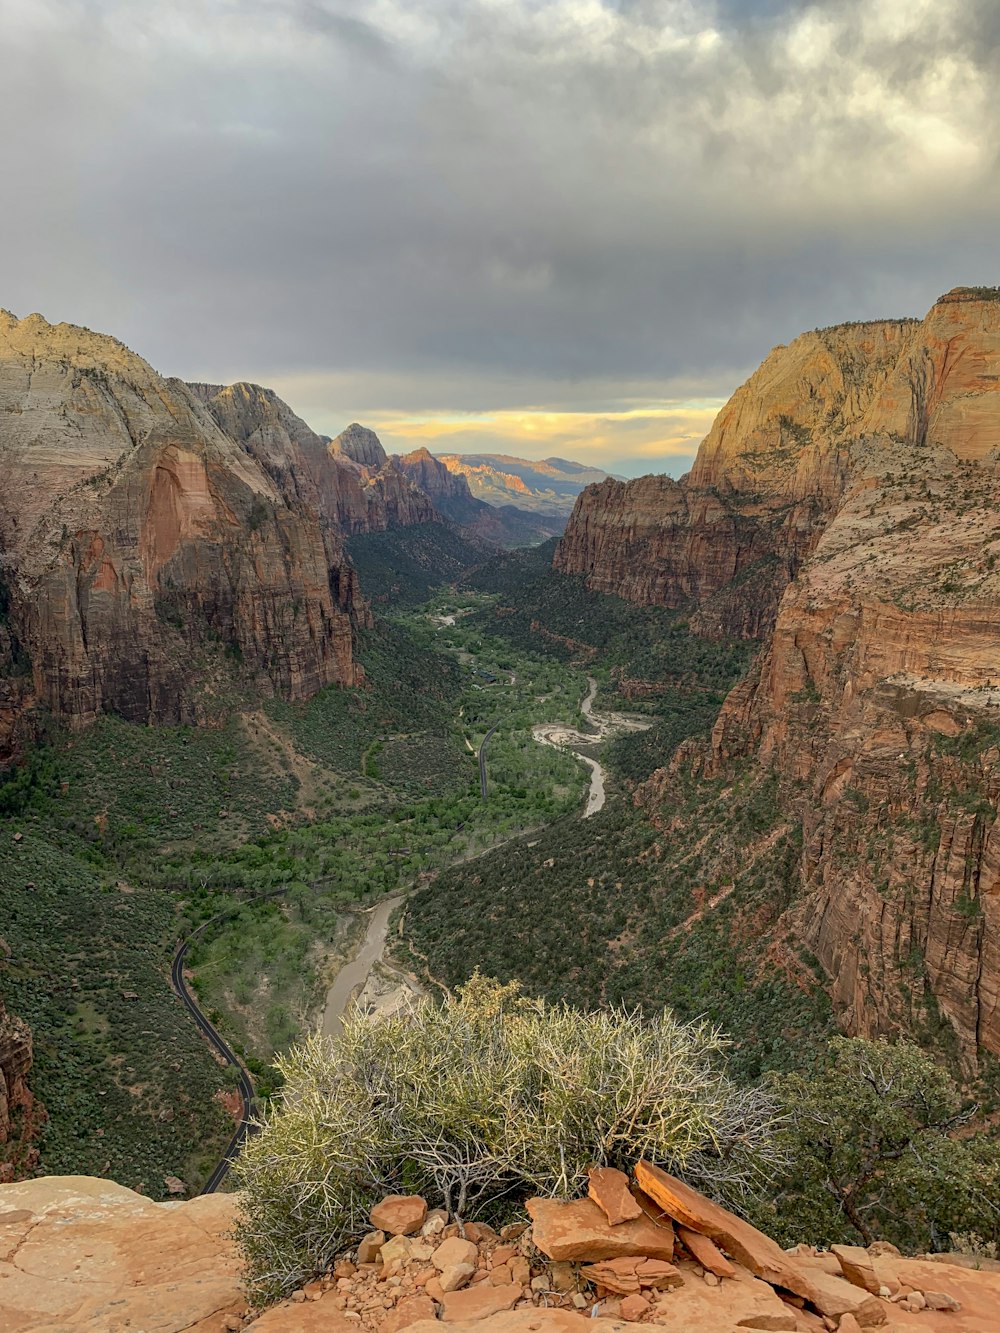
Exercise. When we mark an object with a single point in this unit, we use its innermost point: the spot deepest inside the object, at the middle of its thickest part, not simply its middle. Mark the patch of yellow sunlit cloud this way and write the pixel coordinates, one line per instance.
(661, 437)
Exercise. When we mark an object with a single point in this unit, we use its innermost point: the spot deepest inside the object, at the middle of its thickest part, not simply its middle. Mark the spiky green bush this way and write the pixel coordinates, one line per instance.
(485, 1097)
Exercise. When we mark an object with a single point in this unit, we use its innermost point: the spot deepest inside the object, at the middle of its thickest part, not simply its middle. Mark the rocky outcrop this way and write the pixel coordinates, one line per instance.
(138, 539)
(89, 1256)
(360, 445)
(727, 539)
(504, 525)
(549, 486)
(877, 695)
(15, 1063)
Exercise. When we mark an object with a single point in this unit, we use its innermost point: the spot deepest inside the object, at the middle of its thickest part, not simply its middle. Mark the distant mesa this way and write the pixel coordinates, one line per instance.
(547, 486)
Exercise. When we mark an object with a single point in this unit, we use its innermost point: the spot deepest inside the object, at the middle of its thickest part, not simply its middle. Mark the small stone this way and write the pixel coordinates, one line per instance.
(513, 1231)
(562, 1276)
(433, 1288)
(368, 1248)
(298, 1295)
(499, 1274)
(399, 1214)
(939, 1300)
(454, 1251)
(916, 1300)
(540, 1283)
(455, 1276)
(633, 1308)
(520, 1270)
(395, 1251)
(579, 1300)
(710, 1279)
(479, 1232)
(232, 1323)
(344, 1267)
(437, 1220)
(502, 1253)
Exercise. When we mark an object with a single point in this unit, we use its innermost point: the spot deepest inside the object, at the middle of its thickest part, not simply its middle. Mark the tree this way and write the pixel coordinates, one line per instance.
(875, 1149)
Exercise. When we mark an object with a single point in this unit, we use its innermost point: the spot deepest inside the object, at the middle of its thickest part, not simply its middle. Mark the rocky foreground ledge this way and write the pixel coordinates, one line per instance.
(79, 1255)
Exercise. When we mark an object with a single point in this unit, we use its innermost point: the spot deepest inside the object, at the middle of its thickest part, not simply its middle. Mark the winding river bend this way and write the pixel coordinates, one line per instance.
(352, 977)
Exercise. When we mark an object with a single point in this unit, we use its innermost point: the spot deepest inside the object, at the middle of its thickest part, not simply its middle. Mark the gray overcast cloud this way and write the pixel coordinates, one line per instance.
(563, 213)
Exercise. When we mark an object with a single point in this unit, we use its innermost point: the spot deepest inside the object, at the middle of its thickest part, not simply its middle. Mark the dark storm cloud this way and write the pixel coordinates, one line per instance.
(498, 201)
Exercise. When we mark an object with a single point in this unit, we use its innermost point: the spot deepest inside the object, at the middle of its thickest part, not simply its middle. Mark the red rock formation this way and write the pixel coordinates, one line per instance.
(15, 1063)
(136, 533)
(877, 696)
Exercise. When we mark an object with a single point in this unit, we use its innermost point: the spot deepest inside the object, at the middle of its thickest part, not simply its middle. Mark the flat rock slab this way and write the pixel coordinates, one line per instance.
(756, 1252)
(475, 1303)
(609, 1190)
(579, 1230)
(857, 1266)
(706, 1252)
(744, 1302)
(83, 1255)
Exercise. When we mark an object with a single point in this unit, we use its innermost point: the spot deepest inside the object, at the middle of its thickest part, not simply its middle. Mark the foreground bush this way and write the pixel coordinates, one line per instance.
(484, 1098)
(876, 1147)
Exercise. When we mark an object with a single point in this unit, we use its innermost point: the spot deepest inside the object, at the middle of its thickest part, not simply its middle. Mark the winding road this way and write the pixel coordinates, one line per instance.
(222, 1047)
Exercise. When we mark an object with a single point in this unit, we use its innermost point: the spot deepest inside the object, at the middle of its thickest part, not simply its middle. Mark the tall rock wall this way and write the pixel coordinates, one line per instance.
(136, 534)
(15, 1064)
(845, 508)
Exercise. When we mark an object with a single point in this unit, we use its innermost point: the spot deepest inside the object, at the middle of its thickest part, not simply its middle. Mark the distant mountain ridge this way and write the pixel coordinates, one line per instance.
(545, 486)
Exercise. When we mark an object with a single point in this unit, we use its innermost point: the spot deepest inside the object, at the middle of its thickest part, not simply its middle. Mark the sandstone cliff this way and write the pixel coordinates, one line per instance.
(15, 1064)
(763, 486)
(360, 445)
(861, 464)
(137, 536)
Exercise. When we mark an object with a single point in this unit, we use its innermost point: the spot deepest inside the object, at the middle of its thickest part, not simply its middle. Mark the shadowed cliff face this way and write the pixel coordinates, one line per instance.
(15, 1063)
(845, 509)
(136, 534)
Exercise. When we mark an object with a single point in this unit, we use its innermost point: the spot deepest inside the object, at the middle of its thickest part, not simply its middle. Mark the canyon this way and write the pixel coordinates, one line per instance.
(842, 511)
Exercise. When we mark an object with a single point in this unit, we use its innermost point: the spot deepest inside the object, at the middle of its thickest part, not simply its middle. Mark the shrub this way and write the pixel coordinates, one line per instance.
(875, 1148)
(486, 1097)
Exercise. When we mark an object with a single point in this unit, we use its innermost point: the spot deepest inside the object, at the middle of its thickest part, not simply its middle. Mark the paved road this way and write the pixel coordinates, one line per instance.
(216, 1040)
(482, 759)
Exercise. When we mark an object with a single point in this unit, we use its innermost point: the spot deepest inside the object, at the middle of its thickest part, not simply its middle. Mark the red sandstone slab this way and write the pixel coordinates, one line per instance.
(579, 1230)
(609, 1190)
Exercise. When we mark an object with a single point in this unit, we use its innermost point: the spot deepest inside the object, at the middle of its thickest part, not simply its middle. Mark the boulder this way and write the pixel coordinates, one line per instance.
(609, 1190)
(399, 1214)
(454, 1251)
(857, 1266)
(833, 1296)
(579, 1230)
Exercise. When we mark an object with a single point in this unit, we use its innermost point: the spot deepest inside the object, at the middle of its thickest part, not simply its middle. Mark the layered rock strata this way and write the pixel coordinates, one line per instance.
(137, 536)
(861, 463)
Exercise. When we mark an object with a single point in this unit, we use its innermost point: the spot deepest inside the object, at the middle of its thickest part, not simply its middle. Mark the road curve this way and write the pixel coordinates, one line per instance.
(218, 1043)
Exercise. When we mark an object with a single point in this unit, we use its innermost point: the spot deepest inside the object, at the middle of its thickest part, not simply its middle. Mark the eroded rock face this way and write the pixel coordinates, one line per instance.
(136, 534)
(15, 1062)
(730, 537)
(875, 696)
(361, 445)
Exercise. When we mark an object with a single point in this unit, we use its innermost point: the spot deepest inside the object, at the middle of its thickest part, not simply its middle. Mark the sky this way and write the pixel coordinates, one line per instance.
(542, 227)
